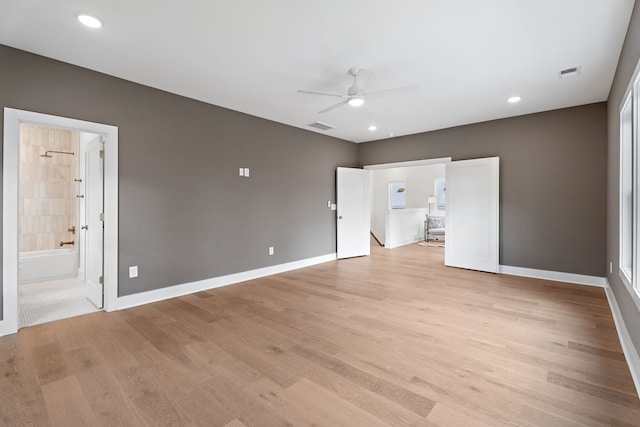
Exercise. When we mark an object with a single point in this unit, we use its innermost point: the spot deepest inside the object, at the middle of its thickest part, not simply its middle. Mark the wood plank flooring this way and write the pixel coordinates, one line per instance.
(391, 339)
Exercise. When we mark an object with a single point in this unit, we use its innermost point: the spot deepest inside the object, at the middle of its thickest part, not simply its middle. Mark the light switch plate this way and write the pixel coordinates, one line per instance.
(246, 171)
(241, 172)
(133, 271)
(333, 206)
(270, 250)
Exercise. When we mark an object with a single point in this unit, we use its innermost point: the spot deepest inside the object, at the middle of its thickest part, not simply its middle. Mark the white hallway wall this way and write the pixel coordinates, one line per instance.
(420, 184)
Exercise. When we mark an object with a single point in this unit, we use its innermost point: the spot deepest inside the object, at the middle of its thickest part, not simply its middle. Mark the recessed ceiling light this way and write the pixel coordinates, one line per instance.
(356, 102)
(89, 21)
(514, 99)
(373, 127)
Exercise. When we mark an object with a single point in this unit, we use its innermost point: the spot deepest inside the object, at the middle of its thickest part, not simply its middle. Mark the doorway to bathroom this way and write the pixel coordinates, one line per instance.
(91, 190)
(60, 241)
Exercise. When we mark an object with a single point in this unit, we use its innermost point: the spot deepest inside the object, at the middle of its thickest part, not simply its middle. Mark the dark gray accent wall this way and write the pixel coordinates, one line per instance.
(185, 214)
(628, 60)
(552, 182)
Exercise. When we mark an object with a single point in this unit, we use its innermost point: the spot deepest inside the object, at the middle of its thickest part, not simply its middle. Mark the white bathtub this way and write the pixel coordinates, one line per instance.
(40, 266)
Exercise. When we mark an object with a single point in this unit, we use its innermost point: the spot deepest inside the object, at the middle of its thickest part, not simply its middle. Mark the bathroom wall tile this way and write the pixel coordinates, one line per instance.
(25, 188)
(47, 205)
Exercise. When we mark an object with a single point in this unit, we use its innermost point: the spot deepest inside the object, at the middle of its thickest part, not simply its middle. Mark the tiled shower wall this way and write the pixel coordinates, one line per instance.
(48, 203)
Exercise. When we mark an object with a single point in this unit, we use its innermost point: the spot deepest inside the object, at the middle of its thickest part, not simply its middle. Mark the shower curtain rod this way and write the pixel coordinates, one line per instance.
(46, 153)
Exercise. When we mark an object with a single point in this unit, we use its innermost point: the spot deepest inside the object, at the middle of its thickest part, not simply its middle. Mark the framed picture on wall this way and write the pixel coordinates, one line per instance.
(398, 195)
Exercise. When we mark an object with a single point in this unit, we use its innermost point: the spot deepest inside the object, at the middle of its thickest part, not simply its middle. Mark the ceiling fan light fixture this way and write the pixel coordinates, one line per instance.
(89, 21)
(356, 101)
(356, 94)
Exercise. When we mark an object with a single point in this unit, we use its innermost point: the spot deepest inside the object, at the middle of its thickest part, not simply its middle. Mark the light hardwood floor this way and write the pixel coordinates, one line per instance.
(390, 339)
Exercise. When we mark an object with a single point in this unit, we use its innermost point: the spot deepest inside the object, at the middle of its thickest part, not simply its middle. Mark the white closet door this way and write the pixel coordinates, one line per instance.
(471, 228)
(354, 218)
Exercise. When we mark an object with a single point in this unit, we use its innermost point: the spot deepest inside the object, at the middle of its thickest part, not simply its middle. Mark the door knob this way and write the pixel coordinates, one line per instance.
(84, 227)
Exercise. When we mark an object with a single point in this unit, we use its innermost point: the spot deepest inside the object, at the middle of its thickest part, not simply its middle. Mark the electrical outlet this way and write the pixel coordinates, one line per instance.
(270, 250)
(133, 271)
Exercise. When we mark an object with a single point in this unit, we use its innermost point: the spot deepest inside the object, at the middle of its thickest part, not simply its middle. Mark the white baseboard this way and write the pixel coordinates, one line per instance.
(630, 352)
(215, 282)
(556, 276)
(401, 243)
(6, 329)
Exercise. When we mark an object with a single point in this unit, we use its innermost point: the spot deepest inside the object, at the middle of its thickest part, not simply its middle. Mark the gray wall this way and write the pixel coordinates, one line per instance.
(552, 182)
(185, 215)
(628, 60)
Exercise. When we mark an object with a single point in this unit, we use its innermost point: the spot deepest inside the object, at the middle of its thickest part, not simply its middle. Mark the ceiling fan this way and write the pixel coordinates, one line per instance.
(356, 95)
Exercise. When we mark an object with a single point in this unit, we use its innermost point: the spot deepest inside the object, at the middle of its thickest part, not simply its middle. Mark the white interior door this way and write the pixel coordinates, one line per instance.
(94, 226)
(471, 226)
(354, 217)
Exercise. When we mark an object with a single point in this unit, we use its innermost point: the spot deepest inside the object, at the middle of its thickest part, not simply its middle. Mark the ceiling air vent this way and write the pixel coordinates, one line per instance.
(321, 126)
(569, 72)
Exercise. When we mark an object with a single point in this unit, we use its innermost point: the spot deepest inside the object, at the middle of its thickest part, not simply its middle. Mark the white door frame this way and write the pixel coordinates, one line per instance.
(11, 151)
(408, 163)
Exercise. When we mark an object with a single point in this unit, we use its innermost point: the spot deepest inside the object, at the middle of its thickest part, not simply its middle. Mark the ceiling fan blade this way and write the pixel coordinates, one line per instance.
(391, 92)
(334, 106)
(311, 92)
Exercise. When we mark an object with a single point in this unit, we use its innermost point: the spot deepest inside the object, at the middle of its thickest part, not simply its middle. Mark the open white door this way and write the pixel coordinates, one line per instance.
(354, 218)
(94, 226)
(472, 214)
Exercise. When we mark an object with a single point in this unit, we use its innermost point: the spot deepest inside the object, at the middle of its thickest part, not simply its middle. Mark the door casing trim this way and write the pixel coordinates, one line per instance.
(11, 149)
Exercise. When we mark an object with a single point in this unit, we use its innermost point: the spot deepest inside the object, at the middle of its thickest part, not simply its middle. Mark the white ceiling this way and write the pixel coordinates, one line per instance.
(467, 56)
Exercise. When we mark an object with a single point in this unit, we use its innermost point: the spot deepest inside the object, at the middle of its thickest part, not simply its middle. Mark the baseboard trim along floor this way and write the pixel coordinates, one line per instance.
(556, 276)
(216, 282)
